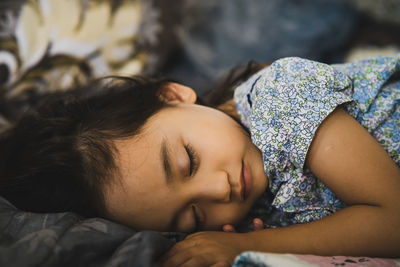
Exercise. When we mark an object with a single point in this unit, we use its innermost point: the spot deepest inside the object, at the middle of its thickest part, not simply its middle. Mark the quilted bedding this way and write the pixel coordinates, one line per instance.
(65, 239)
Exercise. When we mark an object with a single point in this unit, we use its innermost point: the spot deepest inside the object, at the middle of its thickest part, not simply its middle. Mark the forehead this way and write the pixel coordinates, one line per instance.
(135, 199)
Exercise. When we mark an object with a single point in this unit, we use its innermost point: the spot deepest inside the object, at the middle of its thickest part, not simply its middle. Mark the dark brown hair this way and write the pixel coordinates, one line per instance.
(225, 87)
(59, 156)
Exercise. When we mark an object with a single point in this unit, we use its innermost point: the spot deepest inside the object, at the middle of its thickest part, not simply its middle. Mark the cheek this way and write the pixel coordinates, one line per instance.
(229, 144)
(219, 215)
(138, 205)
(185, 221)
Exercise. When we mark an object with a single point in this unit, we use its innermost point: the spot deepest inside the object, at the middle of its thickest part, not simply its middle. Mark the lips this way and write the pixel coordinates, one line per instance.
(242, 183)
(245, 181)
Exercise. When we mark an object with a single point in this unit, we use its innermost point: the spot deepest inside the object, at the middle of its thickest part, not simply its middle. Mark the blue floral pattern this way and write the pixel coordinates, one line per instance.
(290, 99)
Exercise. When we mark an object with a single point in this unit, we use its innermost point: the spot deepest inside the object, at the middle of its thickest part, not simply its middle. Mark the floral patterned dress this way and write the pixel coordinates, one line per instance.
(284, 104)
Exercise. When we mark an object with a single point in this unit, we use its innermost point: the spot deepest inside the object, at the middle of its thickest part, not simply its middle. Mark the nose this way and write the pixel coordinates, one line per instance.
(214, 187)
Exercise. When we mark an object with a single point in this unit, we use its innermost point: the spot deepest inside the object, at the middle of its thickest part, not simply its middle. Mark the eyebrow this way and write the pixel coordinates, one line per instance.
(165, 159)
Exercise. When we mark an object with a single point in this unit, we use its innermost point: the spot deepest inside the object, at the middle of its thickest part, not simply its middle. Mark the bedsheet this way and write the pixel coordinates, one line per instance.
(248, 259)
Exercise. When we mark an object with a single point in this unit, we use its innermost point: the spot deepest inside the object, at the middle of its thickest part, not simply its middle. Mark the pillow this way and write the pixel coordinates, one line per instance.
(53, 45)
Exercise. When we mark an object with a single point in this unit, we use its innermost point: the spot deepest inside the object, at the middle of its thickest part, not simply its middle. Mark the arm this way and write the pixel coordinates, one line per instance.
(359, 171)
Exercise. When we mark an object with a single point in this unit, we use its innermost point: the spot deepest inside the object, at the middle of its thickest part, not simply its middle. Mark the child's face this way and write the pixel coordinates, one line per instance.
(163, 185)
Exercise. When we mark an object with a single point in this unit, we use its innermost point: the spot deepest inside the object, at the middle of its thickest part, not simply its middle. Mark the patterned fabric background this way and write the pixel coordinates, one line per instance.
(52, 45)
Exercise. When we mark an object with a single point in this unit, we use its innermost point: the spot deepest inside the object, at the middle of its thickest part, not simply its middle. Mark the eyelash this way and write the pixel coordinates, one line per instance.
(193, 159)
(193, 166)
(196, 219)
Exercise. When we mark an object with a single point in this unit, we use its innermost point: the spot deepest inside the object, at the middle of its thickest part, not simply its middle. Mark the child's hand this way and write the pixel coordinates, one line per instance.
(258, 224)
(207, 249)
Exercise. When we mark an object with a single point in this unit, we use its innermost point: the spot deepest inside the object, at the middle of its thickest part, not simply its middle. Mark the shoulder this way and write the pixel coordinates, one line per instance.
(291, 77)
(284, 104)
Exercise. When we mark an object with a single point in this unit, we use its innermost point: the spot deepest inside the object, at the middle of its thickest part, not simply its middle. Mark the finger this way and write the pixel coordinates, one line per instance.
(201, 261)
(191, 258)
(177, 260)
(221, 264)
(258, 224)
(195, 262)
(177, 249)
(228, 228)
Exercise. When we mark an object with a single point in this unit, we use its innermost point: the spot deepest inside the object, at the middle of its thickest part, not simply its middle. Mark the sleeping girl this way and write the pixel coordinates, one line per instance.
(322, 140)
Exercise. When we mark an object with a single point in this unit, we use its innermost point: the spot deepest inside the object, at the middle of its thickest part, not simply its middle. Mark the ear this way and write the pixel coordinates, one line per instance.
(177, 92)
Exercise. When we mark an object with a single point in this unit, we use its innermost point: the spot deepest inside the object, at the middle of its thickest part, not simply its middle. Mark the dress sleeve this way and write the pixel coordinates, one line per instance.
(290, 99)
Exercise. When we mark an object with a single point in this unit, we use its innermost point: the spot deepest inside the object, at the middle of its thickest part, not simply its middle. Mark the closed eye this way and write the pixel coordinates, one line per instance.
(193, 159)
(196, 220)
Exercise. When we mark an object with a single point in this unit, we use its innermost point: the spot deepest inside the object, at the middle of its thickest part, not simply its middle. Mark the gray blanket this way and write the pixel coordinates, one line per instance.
(65, 239)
